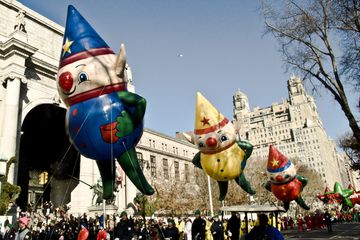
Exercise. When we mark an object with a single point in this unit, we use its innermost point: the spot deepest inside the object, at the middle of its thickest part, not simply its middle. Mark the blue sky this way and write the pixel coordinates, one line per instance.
(222, 49)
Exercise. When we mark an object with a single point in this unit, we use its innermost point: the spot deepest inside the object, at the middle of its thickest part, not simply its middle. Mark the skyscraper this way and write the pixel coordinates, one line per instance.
(294, 127)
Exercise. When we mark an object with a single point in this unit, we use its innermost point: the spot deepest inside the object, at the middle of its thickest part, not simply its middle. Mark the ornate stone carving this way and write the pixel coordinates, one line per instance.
(20, 21)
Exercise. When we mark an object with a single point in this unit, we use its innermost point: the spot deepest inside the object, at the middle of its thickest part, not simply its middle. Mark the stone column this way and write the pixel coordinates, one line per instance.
(10, 125)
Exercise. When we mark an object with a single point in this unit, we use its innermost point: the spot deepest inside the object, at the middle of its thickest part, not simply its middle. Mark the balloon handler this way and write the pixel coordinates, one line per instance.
(104, 121)
(221, 156)
(284, 183)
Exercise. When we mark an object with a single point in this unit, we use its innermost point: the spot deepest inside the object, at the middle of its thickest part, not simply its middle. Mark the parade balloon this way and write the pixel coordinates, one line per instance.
(346, 197)
(284, 183)
(355, 196)
(83, 234)
(104, 120)
(220, 155)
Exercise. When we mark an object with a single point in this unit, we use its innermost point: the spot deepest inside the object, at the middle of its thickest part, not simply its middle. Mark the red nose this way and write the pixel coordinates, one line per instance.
(211, 142)
(279, 178)
(66, 81)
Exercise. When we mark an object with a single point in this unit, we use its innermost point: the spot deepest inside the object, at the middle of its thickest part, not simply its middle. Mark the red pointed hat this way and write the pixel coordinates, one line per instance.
(277, 162)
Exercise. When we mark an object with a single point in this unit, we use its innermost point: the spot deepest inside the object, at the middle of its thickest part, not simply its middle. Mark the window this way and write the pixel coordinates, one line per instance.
(153, 166)
(166, 168)
(140, 159)
(186, 172)
(177, 172)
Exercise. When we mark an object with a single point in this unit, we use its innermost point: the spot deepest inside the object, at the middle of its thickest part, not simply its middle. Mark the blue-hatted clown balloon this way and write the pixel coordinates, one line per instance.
(104, 120)
(221, 156)
(284, 183)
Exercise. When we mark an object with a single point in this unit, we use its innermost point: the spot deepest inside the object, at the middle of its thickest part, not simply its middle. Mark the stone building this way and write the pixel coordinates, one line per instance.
(292, 126)
(32, 122)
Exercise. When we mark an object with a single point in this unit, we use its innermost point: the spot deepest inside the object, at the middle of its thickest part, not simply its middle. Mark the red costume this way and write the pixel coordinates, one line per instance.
(288, 191)
(300, 223)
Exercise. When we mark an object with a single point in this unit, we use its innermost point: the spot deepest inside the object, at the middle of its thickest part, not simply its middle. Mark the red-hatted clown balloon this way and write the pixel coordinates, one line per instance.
(221, 156)
(284, 183)
(104, 120)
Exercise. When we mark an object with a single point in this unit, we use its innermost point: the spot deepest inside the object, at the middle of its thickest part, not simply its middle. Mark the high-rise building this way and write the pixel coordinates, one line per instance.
(292, 126)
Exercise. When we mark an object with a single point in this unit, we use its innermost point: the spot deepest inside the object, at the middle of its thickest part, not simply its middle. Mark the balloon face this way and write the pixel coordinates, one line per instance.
(217, 140)
(87, 74)
(284, 176)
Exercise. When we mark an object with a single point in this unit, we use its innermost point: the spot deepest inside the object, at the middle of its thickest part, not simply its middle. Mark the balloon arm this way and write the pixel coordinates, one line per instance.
(197, 160)
(223, 188)
(302, 203)
(267, 186)
(133, 100)
(303, 180)
(130, 164)
(247, 148)
(244, 184)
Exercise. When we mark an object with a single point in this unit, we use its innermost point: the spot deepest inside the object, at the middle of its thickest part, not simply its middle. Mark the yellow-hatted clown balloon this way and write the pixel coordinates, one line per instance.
(221, 156)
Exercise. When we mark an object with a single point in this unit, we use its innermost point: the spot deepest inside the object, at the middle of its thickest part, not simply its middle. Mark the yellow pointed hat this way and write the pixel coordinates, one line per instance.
(207, 117)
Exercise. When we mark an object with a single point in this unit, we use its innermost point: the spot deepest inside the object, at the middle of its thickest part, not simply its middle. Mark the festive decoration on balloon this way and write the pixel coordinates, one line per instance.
(221, 156)
(103, 119)
(284, 183)
(346, 197)
(355, 196)
(329, 197)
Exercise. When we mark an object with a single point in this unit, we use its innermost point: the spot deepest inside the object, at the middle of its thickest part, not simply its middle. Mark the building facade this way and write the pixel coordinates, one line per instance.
(294, 127)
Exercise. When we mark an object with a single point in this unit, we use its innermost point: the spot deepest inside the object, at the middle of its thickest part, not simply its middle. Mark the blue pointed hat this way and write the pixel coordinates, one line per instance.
(80, 39)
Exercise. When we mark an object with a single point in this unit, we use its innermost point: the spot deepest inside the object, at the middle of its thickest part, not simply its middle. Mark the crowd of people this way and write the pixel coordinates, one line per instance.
(321, 220)
(58, 224)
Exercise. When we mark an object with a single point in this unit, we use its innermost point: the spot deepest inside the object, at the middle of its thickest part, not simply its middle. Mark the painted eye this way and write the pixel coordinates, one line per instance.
(272, 178)
(201, 144)
(223, 138)
(83, 77)
(287, 176)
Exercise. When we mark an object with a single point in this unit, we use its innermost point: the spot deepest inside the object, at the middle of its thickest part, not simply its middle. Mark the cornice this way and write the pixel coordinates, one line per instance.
(169, 138)
(14, 45)
(163, 153)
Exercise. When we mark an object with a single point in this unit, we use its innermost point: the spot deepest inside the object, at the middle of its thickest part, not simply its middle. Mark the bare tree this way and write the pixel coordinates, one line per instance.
(315, 36)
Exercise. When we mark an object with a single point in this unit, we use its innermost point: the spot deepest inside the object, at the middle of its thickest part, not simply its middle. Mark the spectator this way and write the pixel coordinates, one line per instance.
(10, 232)
(187, 231)
(233, 227)
(171, 231)
(327, 217)
(198, 227)
(23, 233)
(217, 229)
(124, 228)
(264, 230)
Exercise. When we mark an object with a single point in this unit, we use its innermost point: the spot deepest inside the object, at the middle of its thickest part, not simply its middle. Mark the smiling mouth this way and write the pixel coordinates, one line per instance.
(69, 93)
